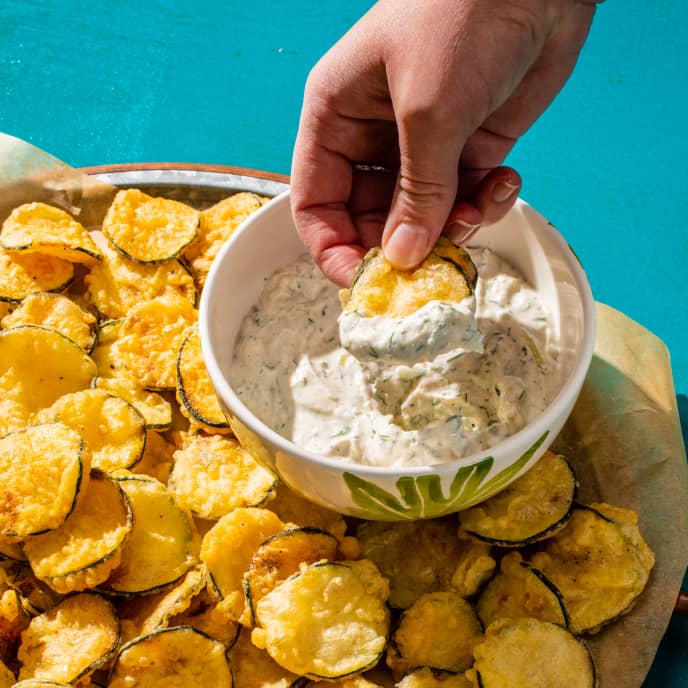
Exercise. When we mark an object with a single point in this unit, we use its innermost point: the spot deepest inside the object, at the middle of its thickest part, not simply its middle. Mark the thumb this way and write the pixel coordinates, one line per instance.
(425, 191)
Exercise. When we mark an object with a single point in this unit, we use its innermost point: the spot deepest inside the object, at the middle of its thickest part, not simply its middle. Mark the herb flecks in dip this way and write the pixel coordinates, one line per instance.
(440, 384)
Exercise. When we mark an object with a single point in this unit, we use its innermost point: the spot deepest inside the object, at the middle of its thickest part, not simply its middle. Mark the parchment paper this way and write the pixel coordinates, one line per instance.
(623, 437)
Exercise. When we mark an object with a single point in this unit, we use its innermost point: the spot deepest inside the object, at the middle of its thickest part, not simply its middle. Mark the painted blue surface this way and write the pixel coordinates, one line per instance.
(221, 82)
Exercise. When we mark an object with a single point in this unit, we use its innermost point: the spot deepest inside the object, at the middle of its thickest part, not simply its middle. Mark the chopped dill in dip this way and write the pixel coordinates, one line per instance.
(443, 383)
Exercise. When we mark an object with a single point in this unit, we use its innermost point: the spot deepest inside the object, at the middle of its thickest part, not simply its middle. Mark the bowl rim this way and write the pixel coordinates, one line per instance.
(566, 395)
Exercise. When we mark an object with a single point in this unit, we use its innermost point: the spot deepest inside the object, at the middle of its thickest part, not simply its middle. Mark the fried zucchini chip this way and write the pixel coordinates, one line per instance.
(34, 594)
(532, 508)
(212, 475)
(148, 229)
(254, 668)
(521, 590)
(69, 641)
(22, 274)
(155, 409)
(113, 429)
(105, 355)
(428, 677)
(83, 551)
(210, 617)
(281, 555)
(176, 656)
(447, 274)
(327, 621)
(228, 547)
(14, 619)
(11, 549)
(217, 224)
(13, 414)
(39, 365)
(150, 338)
(439, 630)
(358, 681)
(529, 652)
(56, 312)
(118, 283)
(157, 458)
(195, 392)
(41, 472)
(45, 229)
(424, 556)
(599, 564)
(160, 547)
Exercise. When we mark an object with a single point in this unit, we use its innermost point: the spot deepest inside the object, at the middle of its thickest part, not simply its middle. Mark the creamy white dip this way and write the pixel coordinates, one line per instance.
(448, 381)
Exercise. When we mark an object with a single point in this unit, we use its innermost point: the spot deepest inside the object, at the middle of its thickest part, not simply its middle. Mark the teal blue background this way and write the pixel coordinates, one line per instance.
(221, 82)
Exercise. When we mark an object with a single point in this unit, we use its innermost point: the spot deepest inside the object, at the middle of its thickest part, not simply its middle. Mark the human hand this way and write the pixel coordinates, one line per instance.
(407, 119)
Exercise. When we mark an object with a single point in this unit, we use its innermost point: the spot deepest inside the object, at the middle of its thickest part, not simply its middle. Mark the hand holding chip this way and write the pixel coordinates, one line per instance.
(407, 119)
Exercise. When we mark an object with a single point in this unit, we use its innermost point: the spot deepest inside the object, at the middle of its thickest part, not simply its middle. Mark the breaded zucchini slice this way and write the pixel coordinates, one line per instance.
(529, 652)
(150, 338)
(56, 312)
(42, 365)
(228, 547)
(254, 668)
(327, 621)
(599, 563)
(521, 590)
(155, 409)
(428, 677)
(157, 458)
(175, 656)
(83, 551)
(105, 355)
(11, 549)
(71, 640)
(45, 229)
(14, 619)
(35, 595)
(211, 617)
(424, 556)
(22, 274)
(532, 508)
(118, 283)
(148, 229)
(160, 547)
(447, 274)
(212, 475)
(282, 555)
(217, 224)
(195, 392)
(358, 681)
(42, 470)
(439, 630)
(113, 429)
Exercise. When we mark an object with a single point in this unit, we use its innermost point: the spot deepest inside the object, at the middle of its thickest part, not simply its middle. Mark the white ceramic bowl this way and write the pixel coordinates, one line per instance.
(268, 241)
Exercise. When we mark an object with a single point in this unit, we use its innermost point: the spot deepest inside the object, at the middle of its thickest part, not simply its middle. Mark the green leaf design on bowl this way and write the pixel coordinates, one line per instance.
(422, 497)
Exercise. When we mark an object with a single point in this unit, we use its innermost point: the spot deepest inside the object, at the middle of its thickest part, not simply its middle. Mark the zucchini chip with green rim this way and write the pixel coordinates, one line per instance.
(213, 475)
(113, 429)
(521, 590)
(155, 409)
(69, 641)
(439, 630)
(160, 547)
(45, 229)
(83, 551)
(176, 656)
(424, 556)
(105, 355)
(428, 677)
(600, 564)
(447, 274)
(148, 229)
(41, 473)
(22, 274)
(195, 392)
(39, 365)
(327, 621)
(532, 508)
(56, 312)
(281, 555)
(529, 652)
(254, 668)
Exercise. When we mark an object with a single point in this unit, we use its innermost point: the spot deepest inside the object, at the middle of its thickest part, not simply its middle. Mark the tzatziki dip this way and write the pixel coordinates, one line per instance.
(450, 380)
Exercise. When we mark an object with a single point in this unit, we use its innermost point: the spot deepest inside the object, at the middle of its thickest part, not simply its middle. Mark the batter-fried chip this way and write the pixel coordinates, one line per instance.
(428, 677)
(155, 409)
(148, 229)
(447, 274)
(45, 229)
(23, 273)
(254, 668)
(157, 457)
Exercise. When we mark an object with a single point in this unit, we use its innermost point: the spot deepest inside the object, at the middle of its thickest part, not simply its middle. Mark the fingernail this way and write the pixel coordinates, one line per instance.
(407, 246)
(502, 191)
(459, 231)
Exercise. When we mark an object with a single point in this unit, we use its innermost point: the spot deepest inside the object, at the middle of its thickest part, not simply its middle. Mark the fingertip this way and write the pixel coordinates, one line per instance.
(407, 245)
